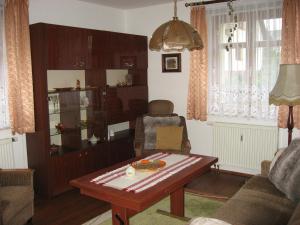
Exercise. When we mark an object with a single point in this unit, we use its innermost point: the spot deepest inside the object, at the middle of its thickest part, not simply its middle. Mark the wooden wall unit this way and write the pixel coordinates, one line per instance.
(55, 47)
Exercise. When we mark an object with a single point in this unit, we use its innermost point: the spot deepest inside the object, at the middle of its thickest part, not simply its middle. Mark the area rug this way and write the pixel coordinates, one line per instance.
(194, 206)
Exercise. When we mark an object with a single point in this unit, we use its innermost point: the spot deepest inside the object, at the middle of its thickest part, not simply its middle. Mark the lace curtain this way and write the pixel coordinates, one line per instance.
(240, 79)
(4, 117)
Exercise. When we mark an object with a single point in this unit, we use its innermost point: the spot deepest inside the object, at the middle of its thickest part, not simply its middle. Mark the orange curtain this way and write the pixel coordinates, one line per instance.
(197, 94)
(20, 90)
(290, 50)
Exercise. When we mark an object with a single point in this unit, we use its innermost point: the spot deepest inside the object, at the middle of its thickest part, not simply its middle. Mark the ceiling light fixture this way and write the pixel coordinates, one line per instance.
(175, 35)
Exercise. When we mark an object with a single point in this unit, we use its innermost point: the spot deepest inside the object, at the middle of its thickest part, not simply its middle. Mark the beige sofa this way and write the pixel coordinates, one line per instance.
(259, 202)
(16, 196)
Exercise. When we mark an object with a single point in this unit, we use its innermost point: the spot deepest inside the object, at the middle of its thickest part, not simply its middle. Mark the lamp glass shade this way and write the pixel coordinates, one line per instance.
(175, 35)
(287, 88)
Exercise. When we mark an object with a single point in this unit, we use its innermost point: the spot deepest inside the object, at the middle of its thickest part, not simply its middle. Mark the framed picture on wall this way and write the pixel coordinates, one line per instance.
(171, 62)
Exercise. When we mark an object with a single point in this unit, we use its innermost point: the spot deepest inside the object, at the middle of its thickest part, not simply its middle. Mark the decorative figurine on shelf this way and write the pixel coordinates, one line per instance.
(93, 139)
(53, 149)
(128, 79)
(77, 84)
(84, 101)
(60, 128)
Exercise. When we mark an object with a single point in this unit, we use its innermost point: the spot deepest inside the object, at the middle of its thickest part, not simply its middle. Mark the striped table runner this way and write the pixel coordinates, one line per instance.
(144, 180)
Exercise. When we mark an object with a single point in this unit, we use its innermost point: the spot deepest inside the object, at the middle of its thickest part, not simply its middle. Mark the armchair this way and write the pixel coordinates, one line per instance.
(16, 196)
(160, 114)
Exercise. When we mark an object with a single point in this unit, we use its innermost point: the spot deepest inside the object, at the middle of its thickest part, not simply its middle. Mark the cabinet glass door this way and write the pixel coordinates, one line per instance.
(75, 118)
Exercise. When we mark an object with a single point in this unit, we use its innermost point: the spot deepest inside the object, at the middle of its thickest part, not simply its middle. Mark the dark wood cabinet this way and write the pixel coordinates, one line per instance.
(61, 48)
(121, 149)
(100, 54)
(75, 164)
(67, 47)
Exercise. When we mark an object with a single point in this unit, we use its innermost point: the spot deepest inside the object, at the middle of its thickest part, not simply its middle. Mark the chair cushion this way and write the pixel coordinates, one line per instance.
(17, 197)
(169, 137)
(150, 124)
(285, 174)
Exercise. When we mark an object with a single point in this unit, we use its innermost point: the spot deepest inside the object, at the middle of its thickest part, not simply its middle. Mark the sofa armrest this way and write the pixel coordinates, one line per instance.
(16, 177)
(265, 168)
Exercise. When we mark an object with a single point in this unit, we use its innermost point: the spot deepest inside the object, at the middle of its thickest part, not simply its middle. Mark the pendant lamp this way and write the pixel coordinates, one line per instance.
(175, 35)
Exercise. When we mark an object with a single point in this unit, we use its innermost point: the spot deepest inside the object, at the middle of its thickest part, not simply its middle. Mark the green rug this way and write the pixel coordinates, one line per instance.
(194, 206)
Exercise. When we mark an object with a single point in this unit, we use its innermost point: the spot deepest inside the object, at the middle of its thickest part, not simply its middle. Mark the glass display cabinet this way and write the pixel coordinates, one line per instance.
(76, 119)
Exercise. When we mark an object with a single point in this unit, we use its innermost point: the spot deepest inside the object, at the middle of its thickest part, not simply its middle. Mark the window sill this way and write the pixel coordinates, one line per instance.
(220, 119)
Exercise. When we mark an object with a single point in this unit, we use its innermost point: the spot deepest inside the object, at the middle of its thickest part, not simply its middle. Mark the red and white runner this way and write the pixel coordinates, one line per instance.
(144, 180)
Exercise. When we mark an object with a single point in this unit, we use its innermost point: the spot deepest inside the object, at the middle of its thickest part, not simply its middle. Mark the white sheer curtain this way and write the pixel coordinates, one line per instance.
(4, 115)
(240, 79)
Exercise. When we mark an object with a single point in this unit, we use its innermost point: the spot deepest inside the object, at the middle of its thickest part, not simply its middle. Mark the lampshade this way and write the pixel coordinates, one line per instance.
(175, 35)
(287, 88)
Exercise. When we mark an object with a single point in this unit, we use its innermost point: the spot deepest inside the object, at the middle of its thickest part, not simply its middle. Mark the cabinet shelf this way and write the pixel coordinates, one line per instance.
(83, 125)
(62, 90)
(81, 108)
(85, 144)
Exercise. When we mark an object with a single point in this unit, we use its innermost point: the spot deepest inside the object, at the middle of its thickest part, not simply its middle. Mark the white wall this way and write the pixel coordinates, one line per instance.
(174, 86)
(76, 13)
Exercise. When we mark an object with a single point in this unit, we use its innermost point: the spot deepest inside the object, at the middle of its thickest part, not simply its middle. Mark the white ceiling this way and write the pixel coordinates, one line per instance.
(128, 4)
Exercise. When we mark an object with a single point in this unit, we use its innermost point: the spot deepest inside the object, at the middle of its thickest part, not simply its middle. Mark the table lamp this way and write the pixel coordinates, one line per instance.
(287, 92)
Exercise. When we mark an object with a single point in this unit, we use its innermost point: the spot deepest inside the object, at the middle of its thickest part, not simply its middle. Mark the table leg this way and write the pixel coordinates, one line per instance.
(177, 202)
(120, 216)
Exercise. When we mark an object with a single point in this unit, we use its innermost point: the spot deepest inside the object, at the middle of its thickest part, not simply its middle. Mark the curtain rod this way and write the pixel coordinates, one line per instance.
(206, 2)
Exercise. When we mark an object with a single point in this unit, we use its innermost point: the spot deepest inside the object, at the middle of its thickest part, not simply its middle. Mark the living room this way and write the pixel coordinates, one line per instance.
(143, 19)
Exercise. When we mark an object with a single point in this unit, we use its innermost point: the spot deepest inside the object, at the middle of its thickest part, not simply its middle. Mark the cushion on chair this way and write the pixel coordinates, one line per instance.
(150, 124)
(169, 137)
(18, 197)
(285, 174)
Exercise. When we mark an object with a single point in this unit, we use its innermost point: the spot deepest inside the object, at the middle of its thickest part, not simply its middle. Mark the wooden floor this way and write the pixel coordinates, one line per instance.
(71, 208)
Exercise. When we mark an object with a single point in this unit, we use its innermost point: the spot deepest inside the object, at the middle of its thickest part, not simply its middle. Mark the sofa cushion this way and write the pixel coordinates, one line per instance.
(169, 137)
(18, 197)
(262, 184)
(257, 203)
(295, 219)
(150, 124)
(285, 174)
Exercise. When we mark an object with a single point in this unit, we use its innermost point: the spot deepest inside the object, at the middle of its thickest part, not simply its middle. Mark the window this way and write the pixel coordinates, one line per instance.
(240, 79)
(4, 119)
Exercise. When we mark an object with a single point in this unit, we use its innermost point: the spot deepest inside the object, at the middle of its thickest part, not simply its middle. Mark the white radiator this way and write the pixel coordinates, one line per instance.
(6, 154)
(241, 148)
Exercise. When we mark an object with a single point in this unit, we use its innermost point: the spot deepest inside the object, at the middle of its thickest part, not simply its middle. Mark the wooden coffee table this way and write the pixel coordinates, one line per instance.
(126, 204)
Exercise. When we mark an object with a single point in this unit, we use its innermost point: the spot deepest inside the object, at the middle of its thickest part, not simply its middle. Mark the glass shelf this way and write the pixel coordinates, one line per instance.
(90, 107)
(61, 90)
(79, 113)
